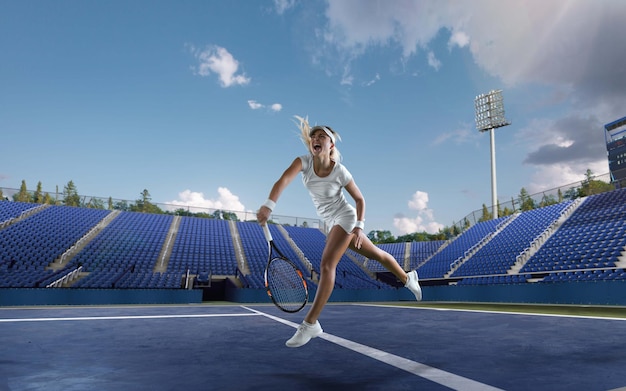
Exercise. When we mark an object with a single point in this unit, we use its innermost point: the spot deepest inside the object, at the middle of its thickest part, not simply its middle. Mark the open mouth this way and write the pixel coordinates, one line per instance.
(317, 147)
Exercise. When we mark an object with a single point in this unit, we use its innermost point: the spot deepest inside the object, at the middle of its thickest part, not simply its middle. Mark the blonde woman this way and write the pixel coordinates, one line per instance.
(325, 178)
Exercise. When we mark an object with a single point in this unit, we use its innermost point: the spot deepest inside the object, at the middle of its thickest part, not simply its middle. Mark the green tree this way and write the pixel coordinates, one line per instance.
(38, 196)
(381, 237)
(506, 212)
(547, 200)
(486, 216)
(229, 216)
(122, 205)
(466, 223)
(414, 237)
(572, 193)
(145, 205)
(70, 195)
(449, 232)
(591, 186)
(438, 236)
(95, 203)
(47, 199)
(526, 201)
(182, 212)
(22, 195)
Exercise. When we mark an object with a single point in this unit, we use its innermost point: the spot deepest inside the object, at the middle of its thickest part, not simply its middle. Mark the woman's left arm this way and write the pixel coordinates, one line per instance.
(359, 201)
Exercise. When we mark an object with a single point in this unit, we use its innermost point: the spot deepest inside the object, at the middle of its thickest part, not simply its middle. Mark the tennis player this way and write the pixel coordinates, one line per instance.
(325, 178)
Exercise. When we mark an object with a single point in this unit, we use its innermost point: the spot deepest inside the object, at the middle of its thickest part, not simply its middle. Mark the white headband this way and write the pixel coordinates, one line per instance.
(326, 130)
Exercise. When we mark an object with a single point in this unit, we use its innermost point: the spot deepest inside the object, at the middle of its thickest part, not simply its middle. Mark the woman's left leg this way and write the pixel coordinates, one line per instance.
(410, 280)
(369, 250)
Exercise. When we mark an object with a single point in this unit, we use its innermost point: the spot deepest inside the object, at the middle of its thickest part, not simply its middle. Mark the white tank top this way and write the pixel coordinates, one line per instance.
(326, 192)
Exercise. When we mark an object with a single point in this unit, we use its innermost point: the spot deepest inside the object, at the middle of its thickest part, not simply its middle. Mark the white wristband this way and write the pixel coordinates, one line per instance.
(360, 224)
(269, 204)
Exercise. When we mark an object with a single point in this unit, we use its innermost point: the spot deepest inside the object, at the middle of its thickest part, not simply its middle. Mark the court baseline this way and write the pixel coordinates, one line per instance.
(125, 317)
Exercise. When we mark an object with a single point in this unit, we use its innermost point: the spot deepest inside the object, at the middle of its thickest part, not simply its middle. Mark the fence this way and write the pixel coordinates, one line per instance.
(126, 205)
(472, 218)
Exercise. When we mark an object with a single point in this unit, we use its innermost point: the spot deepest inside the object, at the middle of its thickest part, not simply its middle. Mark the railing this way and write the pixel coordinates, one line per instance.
(71, 276)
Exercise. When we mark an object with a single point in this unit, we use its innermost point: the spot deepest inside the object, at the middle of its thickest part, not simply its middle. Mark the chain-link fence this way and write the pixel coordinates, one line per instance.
(149, 207)
(592, 185)
(588, 186)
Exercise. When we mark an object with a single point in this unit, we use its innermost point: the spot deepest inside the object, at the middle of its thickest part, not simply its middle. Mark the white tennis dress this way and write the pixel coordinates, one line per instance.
(327, 194)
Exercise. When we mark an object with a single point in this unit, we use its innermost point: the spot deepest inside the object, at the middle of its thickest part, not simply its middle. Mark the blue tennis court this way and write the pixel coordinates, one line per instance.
(364, 347)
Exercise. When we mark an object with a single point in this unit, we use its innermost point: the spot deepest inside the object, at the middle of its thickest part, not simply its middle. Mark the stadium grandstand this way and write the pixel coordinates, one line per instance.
(52, 253)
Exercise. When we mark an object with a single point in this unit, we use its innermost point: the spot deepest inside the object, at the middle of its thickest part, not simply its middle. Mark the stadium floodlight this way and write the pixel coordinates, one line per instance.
(489, 116)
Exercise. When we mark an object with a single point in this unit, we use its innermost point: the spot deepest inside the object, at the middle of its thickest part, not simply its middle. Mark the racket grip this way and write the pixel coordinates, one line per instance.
(268, 234)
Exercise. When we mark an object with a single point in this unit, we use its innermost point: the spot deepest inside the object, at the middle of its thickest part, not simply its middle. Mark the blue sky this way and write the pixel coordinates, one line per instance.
(195, 100)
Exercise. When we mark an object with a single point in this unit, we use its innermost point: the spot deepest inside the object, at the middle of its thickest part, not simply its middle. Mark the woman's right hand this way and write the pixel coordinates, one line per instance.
(263, 215)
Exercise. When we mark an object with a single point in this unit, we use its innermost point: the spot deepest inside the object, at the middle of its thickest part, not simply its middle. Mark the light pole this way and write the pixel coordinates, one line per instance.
(489, 116)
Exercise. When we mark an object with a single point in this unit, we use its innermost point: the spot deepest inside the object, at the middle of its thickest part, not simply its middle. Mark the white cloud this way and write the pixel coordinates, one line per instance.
(559, 175)
(356, 24)
(407, 225)
(217, 60)
(574, 140)
(346, 79)
(283, 5)
(433, 61)
(562, 150)
(254, 105)
(462, 135)
(519, 42)
(275, 107)
(419, 201)
(374, 80)
(423, 222)
(196, 201)
(458, 39)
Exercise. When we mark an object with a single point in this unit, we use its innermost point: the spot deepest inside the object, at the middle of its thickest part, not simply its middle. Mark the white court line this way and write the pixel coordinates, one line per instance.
(439, 376)
(493, 312)
(16, 320)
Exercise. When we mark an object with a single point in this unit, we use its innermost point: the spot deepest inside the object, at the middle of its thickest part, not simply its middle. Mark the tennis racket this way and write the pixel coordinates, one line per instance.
(284, 282)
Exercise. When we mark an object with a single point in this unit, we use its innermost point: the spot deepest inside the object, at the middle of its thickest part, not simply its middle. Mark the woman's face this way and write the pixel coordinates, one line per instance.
(320, 142)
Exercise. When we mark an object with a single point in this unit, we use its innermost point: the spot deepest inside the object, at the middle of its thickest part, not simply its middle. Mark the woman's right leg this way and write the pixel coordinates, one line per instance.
(337, 242)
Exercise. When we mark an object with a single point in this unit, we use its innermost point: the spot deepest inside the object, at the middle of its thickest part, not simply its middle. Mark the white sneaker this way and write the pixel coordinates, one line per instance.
(305, 332)
(412, 284)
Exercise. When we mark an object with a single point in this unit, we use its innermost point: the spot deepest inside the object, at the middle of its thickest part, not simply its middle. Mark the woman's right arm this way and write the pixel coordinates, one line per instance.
(285, 179)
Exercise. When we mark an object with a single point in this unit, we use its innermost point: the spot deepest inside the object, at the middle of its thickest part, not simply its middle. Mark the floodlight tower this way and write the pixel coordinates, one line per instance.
(489, 116)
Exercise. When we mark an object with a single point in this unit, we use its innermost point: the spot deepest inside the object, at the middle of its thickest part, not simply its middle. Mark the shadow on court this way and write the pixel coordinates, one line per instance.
(365, 347)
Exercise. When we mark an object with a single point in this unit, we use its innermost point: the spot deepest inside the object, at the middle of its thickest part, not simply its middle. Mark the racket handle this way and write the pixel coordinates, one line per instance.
(268, 234)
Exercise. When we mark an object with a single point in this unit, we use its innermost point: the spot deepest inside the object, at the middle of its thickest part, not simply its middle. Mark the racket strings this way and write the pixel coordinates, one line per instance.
(286, 285)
